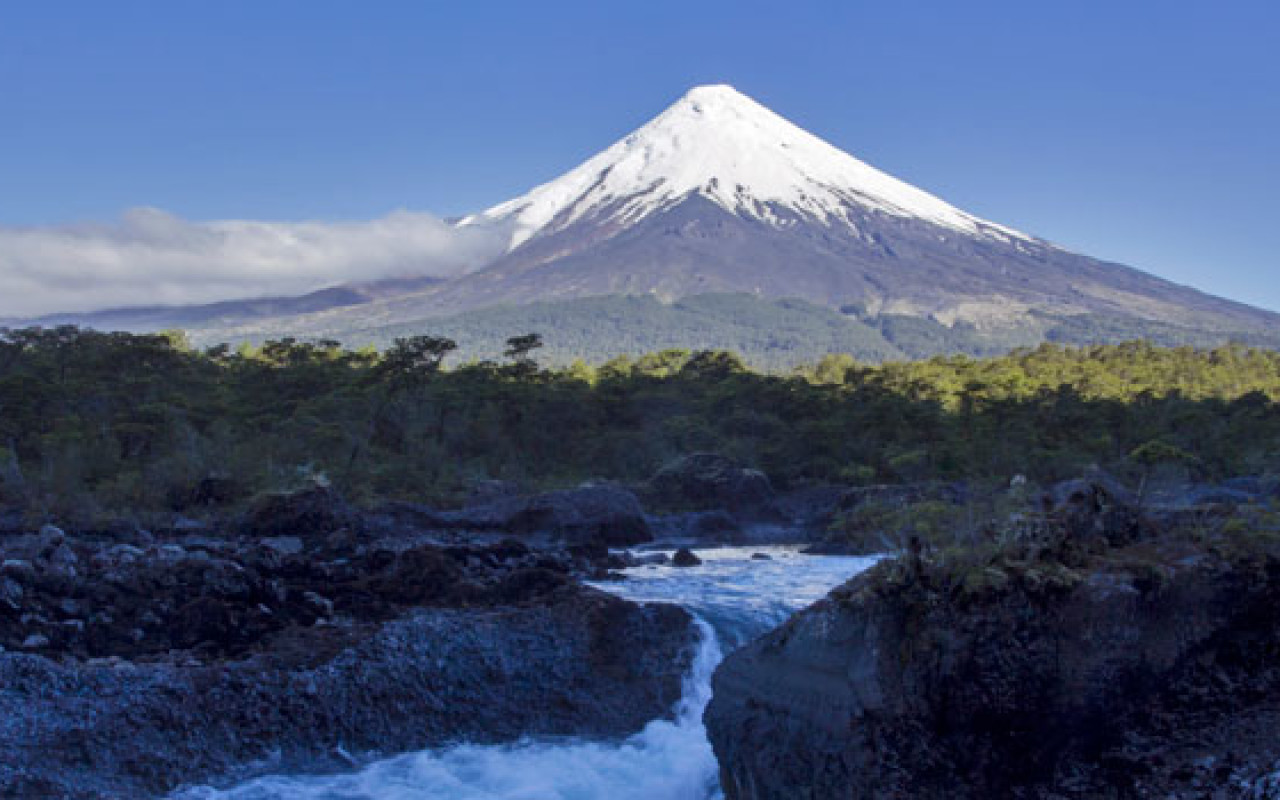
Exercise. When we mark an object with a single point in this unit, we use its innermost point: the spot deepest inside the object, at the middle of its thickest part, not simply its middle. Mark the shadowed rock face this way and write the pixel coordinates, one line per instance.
(1117, 673)
(583, 663)
(707, 481)
(593, 515)
(130, 665)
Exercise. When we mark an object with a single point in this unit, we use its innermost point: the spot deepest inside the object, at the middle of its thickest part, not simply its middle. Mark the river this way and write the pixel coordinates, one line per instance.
(734, 597)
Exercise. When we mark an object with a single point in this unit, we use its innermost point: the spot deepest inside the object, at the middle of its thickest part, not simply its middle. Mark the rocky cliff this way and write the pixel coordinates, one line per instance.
(308, 637)
(1096, 652)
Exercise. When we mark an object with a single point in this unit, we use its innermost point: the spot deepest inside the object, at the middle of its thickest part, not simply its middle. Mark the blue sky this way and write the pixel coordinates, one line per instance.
(1144, 132)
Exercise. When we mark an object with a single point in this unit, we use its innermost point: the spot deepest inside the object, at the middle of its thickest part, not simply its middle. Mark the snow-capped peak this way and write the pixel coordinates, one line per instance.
(718, 143)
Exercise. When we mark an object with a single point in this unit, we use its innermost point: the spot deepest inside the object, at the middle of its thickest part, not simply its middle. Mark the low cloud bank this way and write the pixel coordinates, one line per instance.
(151, 257)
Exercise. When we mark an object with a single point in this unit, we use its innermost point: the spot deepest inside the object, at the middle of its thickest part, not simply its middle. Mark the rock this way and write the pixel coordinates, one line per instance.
(50, 536)
(115, 557)
(10, 593)
(214, 491)
(708, 481)
(61, 560)
(1098, 675)
(284, 545)
(343, 540)
(1093, 493)
(598, 514)
(188, 525)
(684, 557)
(522, 585)
(1096, 506)
(584, 664)
(322, 606)
(308, 514)
(205, 620)
(35, 641)
(19, 568)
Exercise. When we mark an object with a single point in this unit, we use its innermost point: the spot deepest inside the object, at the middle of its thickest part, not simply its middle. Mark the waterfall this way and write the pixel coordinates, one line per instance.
(733, 597)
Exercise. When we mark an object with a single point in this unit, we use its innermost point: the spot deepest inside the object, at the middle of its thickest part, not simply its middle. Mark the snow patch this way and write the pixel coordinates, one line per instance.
(722, 145)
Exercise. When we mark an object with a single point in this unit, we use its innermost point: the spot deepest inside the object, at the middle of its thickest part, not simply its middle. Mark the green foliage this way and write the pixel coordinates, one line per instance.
(1158, 451)
(93, 423)
(769, 334)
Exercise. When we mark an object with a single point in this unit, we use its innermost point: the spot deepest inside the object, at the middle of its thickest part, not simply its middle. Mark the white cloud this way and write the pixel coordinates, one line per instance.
(151, 257)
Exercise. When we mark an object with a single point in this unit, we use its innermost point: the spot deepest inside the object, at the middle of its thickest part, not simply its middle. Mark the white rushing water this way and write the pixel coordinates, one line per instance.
(734, 598)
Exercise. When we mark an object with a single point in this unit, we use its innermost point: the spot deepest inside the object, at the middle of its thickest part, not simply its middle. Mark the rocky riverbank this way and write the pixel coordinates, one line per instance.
(305, 635)
(1093, 650)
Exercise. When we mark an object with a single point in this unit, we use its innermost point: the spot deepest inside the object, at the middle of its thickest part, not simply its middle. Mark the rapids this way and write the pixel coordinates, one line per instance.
(733, 598)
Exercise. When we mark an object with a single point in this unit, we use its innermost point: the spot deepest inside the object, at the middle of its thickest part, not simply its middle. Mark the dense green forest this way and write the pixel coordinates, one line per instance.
(769, 334)
(95, 424)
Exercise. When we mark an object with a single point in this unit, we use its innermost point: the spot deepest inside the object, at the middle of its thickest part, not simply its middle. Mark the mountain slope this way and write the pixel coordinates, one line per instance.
(719, 194)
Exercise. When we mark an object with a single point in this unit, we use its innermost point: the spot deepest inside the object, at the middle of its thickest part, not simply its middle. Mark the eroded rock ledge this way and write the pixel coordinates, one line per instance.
(132, 663)
(1097, 652)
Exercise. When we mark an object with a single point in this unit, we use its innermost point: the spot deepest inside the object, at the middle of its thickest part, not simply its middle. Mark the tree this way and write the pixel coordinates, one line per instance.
(412, 360)
(518, 350)
(713, 364)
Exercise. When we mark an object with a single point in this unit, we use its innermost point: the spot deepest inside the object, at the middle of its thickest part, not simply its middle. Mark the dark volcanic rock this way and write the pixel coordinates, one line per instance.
(596, 514)
(1111, 665)
(311, 514)
(213, 491)
(684, 557)
(580, 663)
(126, 669)
(709, 481)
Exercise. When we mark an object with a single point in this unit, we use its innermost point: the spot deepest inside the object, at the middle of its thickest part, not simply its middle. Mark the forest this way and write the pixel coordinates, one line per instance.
(95, 426)
(771, 334)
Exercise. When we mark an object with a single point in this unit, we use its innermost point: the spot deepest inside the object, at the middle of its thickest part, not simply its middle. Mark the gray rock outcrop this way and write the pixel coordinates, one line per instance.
(1102, 666)
(709, 481)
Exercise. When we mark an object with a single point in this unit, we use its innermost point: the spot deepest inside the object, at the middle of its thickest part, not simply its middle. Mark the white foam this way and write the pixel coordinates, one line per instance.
(734, 597)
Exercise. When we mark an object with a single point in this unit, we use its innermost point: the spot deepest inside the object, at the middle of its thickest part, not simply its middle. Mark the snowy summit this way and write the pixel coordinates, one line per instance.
(718, 143)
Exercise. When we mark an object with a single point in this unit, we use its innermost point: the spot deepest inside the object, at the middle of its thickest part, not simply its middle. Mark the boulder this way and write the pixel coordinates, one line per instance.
(312, 514)
(1095, 506)
(603, 515)
(684, 557)
(707, 481)
(284, 545)
(1091, 494)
